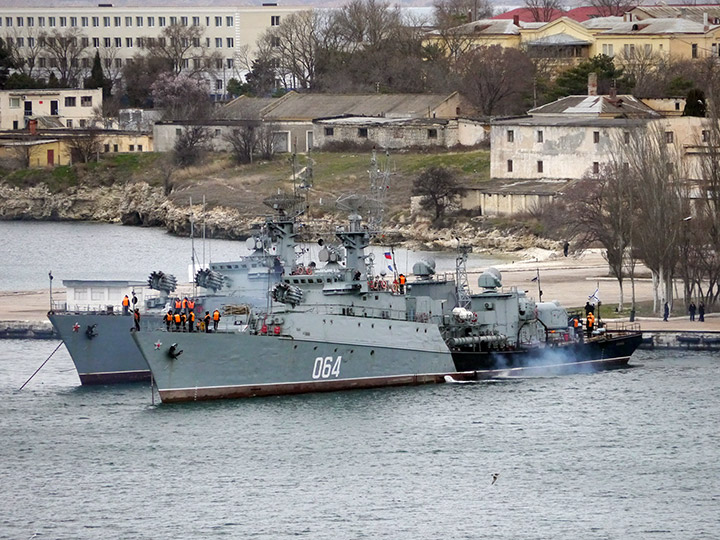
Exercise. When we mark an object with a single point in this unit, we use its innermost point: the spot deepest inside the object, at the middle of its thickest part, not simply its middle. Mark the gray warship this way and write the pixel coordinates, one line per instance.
(341, 327)
(98, 338)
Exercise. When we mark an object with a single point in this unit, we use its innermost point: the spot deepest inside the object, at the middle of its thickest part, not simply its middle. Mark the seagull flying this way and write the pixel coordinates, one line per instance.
(494, 478)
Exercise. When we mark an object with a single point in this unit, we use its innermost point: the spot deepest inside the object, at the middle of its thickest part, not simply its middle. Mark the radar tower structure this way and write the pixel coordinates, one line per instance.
(461, 278)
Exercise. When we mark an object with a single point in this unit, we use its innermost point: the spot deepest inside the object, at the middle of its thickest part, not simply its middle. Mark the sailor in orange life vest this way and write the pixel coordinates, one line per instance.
(136, 316)
(590, 323)
(216, 319)
(185, 305)
(177, 319)
(183, 320)
(178, 305)
(126, 305)
(191, 322)
(169, 319)
(401, 281)
(206, 320)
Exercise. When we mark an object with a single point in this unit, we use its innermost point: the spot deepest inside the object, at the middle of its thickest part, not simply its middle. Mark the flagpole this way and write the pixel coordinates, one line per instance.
(539, 289)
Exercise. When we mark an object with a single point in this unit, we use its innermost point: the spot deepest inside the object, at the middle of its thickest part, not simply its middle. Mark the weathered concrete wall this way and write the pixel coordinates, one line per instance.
(390, 135)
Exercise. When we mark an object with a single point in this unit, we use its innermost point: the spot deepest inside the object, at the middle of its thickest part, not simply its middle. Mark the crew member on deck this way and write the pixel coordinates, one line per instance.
(178, 305)
(183, 320)
(136, 316)
(177, 321)
(185, 305)
(169, 319)
(126, 305)
(206, 320)
(191, 322)
(191, 305)
(216, 319)
(590, 324)
(401, 280)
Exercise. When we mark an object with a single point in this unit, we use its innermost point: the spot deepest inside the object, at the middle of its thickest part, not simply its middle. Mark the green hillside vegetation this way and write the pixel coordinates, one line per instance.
(244, 186)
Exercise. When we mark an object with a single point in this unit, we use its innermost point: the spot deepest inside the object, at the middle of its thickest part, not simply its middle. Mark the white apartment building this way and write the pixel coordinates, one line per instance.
(70, 107)
(119, 31)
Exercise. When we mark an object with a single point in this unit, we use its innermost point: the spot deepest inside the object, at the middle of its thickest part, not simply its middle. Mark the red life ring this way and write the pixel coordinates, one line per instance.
(474, 319)
(383, 285)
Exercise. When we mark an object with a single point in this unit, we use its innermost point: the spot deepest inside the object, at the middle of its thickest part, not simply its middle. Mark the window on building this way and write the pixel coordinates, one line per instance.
(118, 62)
(42, 62)
(41, 21)
(229, 63)
(151, 21)
(20, 41)
(186, 63)
(596, 137)
(626, 137)
(184, 21)
(196, 21)
(705, 135)
(218, 42)
(63, 21)
(107, 42)
(510, 135)
(275, 20)
(218, 84)
(329, 132)
(85, 42)
(138, 21)
(19, 21)
(196, 63)
(539, 166)
(108, 62)
(596, 167)
(161, 21)
(83, 123)
(139, 148)
(229, 21)
(117, 21)
(16, 124)
(140, 42)
(31, 42)
(128, 21)
(218, 63)
(178, 132)
(106, 148)
(509, 165)
(131, 148)
(539, 135)
(118, 42)
(106, 21)
(84, 21)
(97, 294)
(648, 48)
(14, 102)
(714, 49)
(8, 21)
(432, 133)
(70, 101)
(51, 21)
(31, 21)
(129, 42)
(96, 21)
(274, 41)
(96, 42)
(218, 21)
(694, 49)
(669, 137)
(115, 147)
(85, 62)
(86, 101)
(362, 133)
(230, 42)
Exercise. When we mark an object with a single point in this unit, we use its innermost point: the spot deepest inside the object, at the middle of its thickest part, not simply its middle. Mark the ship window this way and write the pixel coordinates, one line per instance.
(295, 281)
(81, 294)
(97, 294)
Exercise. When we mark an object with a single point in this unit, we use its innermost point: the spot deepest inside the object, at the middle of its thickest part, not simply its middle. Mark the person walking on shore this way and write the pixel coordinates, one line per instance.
(701, 312)
(691, 310)
(666, 312)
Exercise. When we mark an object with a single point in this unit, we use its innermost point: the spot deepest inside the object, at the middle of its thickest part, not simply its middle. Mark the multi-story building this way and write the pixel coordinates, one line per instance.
(69, 107)
(224, 32)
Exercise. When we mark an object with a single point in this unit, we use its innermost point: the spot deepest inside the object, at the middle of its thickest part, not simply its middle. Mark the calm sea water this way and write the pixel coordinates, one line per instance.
(631, 454)
(29, 250)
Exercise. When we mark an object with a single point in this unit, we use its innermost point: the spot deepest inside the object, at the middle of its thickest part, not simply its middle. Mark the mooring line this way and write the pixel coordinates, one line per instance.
(41, 366)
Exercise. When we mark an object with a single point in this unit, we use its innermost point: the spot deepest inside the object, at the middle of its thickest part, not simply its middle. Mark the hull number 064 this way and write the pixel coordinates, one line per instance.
(326, 367)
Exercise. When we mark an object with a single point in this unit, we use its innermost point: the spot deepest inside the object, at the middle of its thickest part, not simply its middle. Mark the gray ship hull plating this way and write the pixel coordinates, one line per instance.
(110, 357)
(232, 365)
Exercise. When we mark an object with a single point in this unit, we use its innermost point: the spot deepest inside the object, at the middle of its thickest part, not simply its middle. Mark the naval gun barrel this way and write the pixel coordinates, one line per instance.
(472, 340)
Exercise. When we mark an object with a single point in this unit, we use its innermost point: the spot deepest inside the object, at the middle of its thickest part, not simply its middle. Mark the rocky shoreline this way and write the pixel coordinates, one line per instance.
(140, 204)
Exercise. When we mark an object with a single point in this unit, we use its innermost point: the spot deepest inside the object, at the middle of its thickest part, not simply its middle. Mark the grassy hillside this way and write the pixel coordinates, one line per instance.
(243, 187)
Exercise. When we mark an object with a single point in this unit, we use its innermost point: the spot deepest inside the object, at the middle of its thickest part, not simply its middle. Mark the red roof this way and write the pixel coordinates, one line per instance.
(578, 14)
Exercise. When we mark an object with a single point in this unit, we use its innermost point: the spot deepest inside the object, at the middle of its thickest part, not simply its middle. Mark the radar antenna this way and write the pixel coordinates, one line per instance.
(379, 187)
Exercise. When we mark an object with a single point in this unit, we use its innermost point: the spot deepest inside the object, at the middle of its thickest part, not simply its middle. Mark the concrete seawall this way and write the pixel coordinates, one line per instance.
(27, 330)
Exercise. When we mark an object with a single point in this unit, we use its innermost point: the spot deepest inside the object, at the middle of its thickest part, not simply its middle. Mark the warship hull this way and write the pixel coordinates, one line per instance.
(235, 365)
(110, 356)
(607, 352)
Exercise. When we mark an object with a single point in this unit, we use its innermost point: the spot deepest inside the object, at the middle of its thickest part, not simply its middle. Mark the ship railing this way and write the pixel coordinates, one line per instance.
(63, 307)
(620, 327)
(374, 313)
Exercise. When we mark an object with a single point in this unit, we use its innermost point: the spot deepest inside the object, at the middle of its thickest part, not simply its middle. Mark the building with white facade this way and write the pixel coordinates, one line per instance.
(69, 107)
(120, 30)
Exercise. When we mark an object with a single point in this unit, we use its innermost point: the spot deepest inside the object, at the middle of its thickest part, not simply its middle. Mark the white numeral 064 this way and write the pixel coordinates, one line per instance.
(325, 367)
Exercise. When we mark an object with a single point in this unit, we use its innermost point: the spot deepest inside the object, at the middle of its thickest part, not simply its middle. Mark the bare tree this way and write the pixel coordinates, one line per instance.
(65, 50)
(543, 10)
(439, 188)
(25, 47)
(244, 141)
(190, 144)
(497, 79)
(450, 13)
(85, 146)
(183, 49)
(612, 8)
